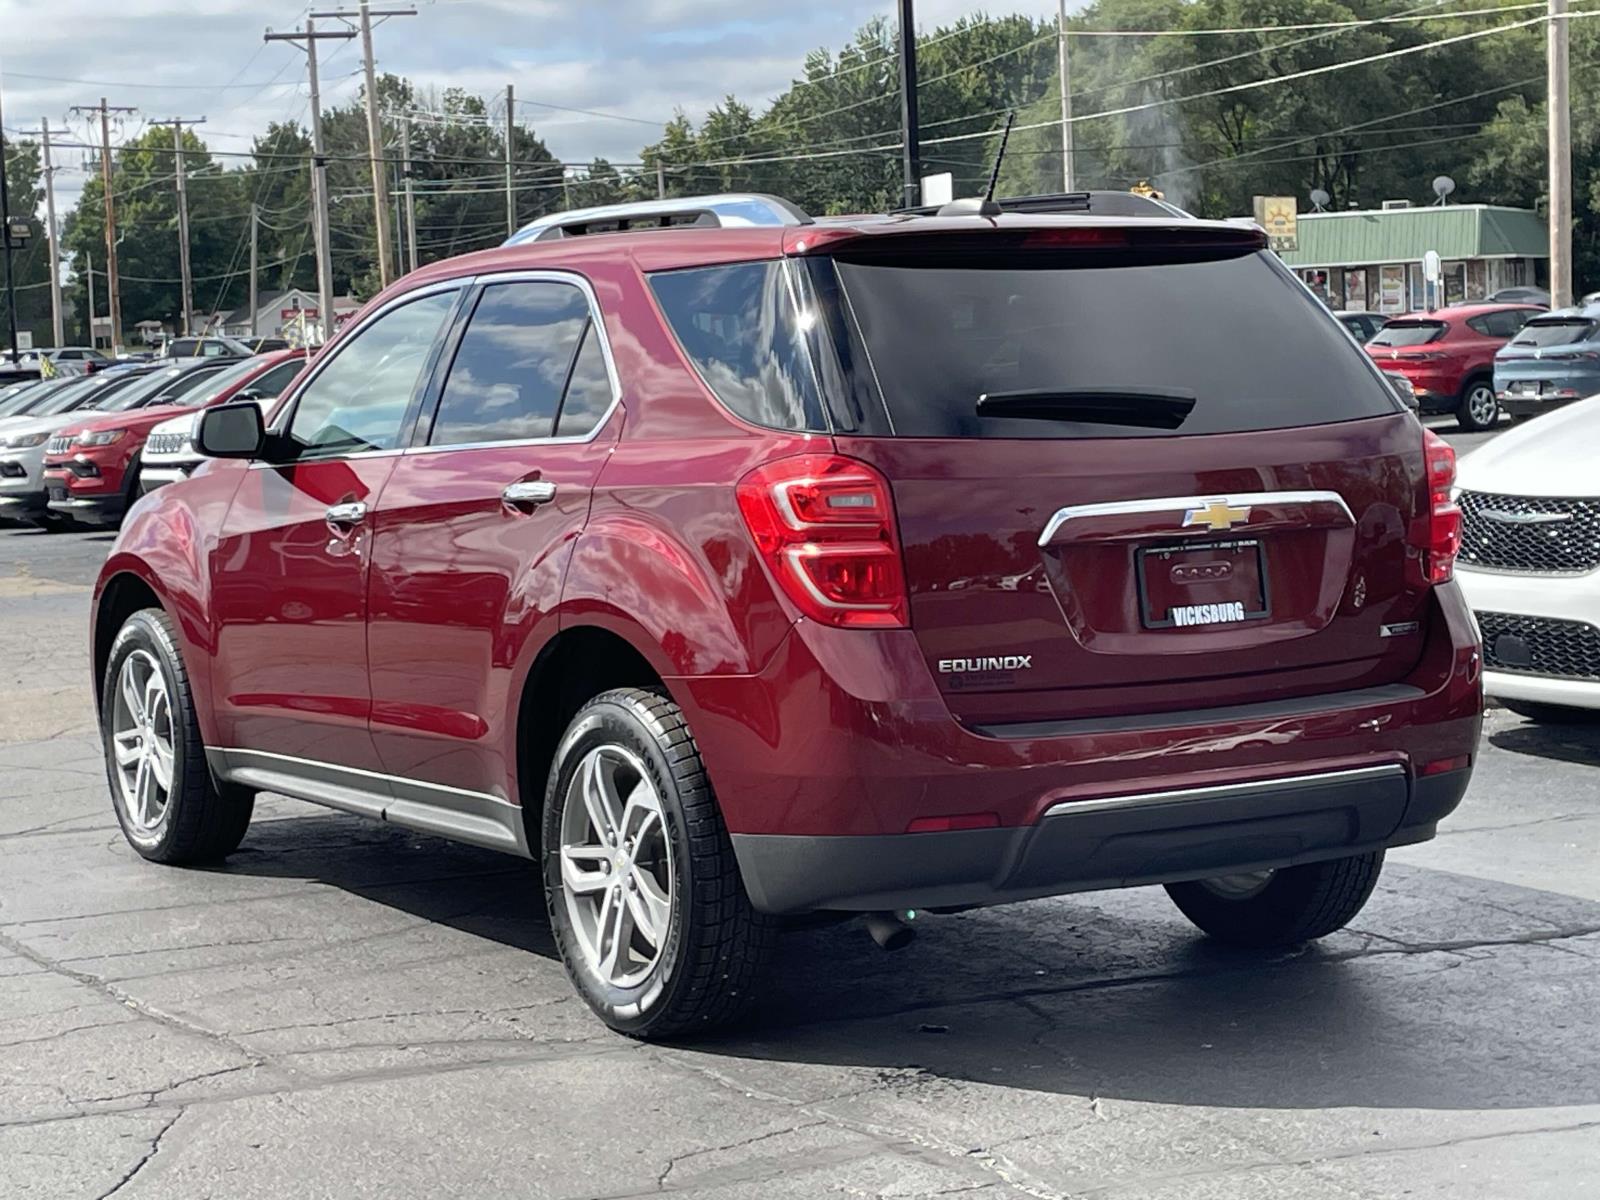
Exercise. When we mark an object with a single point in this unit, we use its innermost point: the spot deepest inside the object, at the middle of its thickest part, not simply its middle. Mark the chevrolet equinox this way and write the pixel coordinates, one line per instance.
(734, 565)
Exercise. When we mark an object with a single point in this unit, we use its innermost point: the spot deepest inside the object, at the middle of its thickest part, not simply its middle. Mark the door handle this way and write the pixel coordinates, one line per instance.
(343, 516)
(529, 493)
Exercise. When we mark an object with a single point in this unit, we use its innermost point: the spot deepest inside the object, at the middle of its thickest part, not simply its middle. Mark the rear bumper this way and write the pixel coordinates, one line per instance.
(842, 742)
(1532, 406)
(1125, 841)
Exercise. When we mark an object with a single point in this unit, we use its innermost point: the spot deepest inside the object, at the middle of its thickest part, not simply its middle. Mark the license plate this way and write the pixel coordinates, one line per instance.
(56, 492)
(1201, 586)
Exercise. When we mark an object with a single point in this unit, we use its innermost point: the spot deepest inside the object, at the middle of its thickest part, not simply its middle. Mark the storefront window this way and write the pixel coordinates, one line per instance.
(1455, 282)
(1477, 280)
(1355, 288)
(1416, 288)
(1391, 289)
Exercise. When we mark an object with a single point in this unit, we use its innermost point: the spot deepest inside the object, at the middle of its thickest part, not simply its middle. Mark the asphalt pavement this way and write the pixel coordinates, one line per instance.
(348, 1010)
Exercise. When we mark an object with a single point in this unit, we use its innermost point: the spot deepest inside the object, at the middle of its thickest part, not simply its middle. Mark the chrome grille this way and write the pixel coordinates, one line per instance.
(59, 444)
(1540, 646)
(1539, 536)
(167, 443)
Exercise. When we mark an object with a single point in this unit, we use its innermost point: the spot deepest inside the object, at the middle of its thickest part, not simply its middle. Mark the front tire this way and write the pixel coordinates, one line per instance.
(1479, 408)
(170, 809)
(1282, 907)
(645, 898)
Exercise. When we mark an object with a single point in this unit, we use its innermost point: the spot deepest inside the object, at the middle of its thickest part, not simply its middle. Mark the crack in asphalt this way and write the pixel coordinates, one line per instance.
(144, 1161)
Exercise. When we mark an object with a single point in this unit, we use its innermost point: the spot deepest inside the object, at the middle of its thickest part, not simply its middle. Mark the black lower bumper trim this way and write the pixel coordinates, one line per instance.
(1222, 831)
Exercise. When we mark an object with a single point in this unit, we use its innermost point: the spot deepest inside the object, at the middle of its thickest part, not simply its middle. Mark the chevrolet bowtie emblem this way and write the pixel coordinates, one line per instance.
(1217, 515)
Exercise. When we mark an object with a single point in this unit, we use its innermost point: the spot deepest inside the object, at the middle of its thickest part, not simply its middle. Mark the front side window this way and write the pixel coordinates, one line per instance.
(740, 327)
(270, 384)
(508, 376)
(359, 400)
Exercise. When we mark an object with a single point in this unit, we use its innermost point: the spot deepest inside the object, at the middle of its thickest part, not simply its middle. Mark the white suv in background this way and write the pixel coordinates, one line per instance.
(1530, 562)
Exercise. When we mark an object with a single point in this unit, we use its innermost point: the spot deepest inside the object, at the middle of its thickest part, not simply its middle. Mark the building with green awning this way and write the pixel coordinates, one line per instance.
(1371, 260)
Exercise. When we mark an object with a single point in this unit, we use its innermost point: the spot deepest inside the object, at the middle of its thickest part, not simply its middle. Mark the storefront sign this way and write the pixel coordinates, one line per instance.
(1278, 215)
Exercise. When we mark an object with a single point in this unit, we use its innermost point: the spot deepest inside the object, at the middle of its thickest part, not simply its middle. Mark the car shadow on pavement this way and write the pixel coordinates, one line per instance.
(1451, 992)
(1576, 743)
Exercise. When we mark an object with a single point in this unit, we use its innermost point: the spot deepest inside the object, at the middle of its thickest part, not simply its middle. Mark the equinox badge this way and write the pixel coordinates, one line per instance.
(1216, 516)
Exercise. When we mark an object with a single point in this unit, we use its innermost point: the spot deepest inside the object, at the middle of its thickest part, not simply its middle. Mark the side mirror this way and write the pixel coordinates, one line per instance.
(234, 430)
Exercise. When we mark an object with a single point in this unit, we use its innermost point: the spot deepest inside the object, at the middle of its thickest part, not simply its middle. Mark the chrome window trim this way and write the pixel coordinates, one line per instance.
(1249, 788)
(596, 321)
(287, 404)
(1114, 508)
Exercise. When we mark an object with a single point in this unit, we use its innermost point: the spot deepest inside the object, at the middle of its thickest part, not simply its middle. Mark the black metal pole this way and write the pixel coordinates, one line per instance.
(912, 152)
(5, 235)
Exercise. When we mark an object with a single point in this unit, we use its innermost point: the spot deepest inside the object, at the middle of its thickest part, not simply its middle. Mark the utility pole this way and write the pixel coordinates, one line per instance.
(319, 165)
(661, 180)
(255, 252)
(5, 237)
(511, 195)
(380, 176)
(1066, 95)
(185, 271)
(57, 327)
(88, 270)
(911, 151)
(1560, 139)
(411, 199)
(113, 296)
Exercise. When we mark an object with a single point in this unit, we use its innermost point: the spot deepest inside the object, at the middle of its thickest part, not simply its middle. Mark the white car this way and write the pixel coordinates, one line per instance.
(1530, 562)
(169, 453)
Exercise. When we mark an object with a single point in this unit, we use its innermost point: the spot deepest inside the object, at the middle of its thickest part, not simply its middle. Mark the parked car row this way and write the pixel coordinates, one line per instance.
(71, 449)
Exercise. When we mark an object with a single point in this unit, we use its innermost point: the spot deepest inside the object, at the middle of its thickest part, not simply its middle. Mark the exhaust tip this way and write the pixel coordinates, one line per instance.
(890, 929)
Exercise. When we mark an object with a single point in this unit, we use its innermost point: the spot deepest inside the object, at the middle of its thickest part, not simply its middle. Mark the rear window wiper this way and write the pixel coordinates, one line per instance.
(1143, 408)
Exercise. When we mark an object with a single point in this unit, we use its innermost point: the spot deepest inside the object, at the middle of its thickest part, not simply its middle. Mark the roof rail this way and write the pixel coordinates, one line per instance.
(1096, 203)
(723, 211)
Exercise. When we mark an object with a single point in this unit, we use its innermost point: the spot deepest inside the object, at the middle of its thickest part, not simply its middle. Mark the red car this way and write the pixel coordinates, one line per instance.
(1448, 355)
(91, 470)
(738, 570)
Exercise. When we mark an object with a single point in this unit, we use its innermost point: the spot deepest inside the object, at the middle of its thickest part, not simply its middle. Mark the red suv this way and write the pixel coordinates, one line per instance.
(1448, 356)
(91, 470)
(733, 571)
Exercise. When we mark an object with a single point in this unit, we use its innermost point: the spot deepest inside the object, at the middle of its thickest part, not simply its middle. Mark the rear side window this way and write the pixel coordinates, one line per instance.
(1054, 349)
(1409, 333)
(741, 329)
(511, 369)
(270, 384)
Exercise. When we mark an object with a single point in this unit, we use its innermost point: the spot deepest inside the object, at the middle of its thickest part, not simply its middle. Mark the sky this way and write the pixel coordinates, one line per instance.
(641, 59)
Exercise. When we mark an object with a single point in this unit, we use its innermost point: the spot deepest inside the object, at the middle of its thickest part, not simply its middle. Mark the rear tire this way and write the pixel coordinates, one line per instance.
(145, 701)
(1286, 906)
(1479, 409)
(1553, 714)
(649, 912)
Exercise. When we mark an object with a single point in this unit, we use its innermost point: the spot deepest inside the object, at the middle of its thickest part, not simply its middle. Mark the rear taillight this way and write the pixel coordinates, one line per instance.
(1444, 518)
(825, 526)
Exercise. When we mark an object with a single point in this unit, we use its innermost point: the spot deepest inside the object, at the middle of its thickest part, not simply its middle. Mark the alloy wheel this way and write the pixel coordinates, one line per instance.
(616, 866)
(1238, 887)
(141, 741)
(1481, 405)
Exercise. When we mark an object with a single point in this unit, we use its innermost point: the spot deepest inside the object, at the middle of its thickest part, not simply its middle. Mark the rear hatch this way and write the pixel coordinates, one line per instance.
(1548, 349)
(1130, 476)
(1408, 344)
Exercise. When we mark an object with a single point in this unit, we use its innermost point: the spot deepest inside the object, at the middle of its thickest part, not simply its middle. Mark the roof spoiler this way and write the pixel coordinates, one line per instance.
(1096, 204)
(730, 210)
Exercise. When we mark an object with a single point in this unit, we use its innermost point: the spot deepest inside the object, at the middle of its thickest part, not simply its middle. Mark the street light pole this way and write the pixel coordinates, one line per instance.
(1560, 141)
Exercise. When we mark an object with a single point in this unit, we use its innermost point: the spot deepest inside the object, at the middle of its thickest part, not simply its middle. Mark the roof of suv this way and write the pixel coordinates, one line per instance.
(692, 246)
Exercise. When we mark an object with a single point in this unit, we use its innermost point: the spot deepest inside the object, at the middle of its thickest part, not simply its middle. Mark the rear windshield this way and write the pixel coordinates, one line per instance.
(1408, 333)
(1218, 345)
(1553, 332)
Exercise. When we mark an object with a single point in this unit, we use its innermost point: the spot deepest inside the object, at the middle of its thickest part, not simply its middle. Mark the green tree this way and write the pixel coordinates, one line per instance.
(25, 197)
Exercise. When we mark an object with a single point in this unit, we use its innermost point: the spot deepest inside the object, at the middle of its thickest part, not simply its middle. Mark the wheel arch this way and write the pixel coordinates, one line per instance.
(573, 667)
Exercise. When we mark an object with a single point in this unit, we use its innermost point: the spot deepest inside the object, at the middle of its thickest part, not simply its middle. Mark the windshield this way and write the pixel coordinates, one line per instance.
(1408, 333)
(1551, 332)
(1040, 350)
(19, 397)
(69, 397)
(213, 383)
